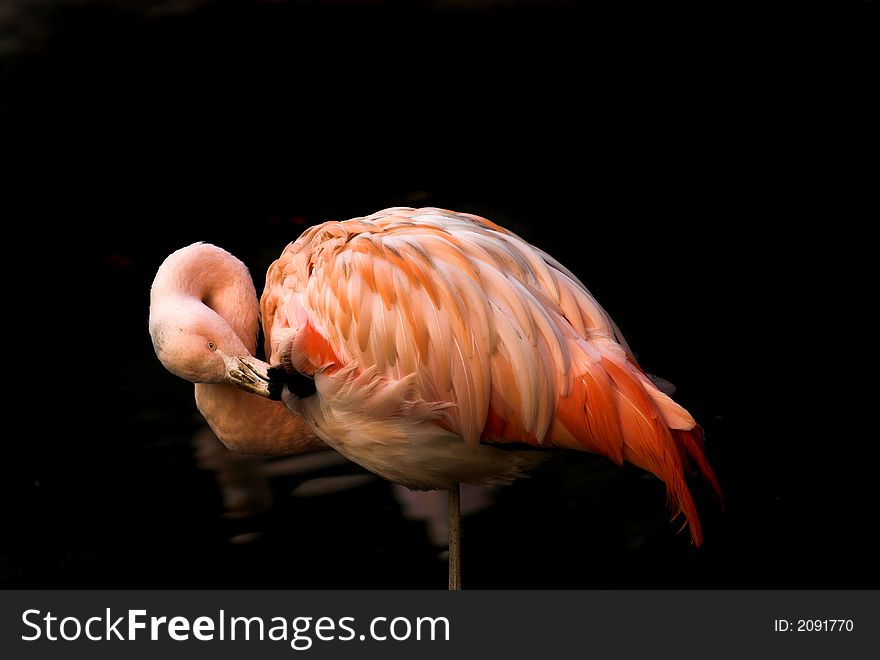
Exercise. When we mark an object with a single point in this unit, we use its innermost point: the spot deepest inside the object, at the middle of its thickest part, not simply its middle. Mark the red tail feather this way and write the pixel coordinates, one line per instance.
(690, 447)
(611, 411)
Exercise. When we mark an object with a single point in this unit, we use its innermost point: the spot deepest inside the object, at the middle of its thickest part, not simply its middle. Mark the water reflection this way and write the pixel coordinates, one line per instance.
(249, 486)
(431, 508)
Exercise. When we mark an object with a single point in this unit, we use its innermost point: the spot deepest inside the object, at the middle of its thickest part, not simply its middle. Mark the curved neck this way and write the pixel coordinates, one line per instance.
(253, 425)
(216, 279)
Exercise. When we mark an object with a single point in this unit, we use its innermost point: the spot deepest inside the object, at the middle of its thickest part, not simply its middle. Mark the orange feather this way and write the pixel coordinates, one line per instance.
(490, 339)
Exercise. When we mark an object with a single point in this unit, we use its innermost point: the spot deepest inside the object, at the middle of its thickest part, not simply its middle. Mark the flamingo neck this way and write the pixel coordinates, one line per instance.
(216, 279)
(249, 424)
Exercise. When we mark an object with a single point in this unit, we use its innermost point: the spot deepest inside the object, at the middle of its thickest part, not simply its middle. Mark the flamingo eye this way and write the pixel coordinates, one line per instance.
(212, 346)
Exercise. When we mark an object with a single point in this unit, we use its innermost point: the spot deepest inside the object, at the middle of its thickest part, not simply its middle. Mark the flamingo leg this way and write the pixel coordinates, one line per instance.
(455, 538)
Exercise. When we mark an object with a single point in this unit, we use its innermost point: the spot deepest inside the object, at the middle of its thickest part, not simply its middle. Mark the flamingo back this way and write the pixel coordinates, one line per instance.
(505, 343)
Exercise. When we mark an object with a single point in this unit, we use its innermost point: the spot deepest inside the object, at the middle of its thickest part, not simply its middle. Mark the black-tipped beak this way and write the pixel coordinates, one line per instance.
(298, 384)
(277, 380)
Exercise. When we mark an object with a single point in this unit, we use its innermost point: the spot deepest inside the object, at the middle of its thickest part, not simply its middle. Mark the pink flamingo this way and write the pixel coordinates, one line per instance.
(440, 349)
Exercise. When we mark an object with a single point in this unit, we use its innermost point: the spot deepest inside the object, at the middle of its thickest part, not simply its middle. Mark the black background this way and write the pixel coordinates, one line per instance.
(708, 171)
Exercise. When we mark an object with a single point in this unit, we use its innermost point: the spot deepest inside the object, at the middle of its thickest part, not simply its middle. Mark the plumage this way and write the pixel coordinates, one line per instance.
(434, 337)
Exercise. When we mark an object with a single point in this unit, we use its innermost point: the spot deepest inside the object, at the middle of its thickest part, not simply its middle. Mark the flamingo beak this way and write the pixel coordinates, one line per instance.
(252, 375)
(297, 384)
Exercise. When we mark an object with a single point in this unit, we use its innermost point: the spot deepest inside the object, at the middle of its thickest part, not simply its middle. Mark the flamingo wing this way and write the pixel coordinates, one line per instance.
(486, 323)
(468, 307)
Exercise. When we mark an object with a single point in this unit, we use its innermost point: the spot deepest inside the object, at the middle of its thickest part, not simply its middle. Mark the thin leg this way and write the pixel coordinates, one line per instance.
(455, 538)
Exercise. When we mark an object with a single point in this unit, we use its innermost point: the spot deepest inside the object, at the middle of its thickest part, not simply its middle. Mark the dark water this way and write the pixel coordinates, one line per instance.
(701, 172)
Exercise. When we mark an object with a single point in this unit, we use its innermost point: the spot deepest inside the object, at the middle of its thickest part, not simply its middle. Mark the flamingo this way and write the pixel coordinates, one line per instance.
(436, 348)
